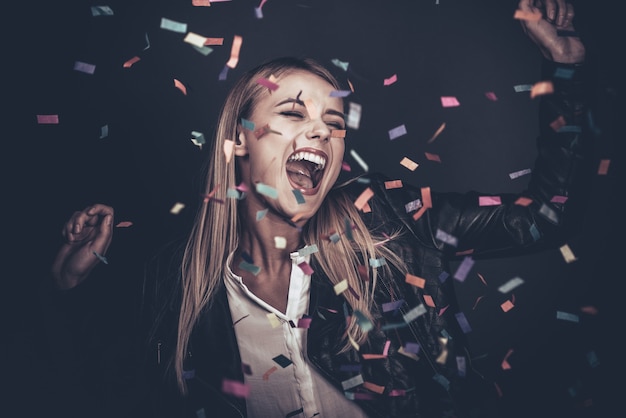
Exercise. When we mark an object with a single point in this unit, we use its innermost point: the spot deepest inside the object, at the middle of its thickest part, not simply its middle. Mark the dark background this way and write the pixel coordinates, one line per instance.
(147, 162)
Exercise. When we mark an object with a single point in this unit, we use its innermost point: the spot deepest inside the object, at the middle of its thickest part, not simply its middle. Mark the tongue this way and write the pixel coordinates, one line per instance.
(299, 174)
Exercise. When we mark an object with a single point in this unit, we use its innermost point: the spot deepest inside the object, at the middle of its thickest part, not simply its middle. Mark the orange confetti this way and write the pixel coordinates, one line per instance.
(507, 306)
(505, 364)
(393, 184)
(206, 3)
(436, 134)
(603, 168)
(408, 163)
(214, 41)
(529, 16)
(426, 200)
(338, 133)
(131, 61)
(415, 280)
(366, 208)
(266, 375)
(540, 88)
(429, 301)
(373, 387)
(363, 198)
(523, 201)
(311, 109)
(234, 52)
(180, 86)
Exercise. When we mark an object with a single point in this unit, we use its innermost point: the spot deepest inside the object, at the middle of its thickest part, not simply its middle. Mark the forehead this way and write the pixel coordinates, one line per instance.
(304, 85)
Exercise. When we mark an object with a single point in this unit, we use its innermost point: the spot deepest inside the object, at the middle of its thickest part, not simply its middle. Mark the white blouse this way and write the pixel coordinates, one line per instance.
(281, 380)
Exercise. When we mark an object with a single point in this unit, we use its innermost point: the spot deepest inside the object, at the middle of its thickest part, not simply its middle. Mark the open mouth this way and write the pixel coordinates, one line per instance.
(305, 169)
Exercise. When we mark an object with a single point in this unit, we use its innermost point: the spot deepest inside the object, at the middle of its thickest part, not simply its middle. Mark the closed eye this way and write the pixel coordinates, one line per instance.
(292, 114)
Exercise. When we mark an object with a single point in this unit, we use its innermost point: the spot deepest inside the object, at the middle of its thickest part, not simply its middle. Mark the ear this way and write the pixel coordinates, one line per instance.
(241, 143)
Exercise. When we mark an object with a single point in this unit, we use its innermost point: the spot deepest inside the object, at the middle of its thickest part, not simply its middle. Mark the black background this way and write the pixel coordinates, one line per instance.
(147, 162)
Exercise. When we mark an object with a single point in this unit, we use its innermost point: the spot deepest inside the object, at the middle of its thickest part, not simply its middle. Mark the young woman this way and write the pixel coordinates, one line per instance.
(295, 296)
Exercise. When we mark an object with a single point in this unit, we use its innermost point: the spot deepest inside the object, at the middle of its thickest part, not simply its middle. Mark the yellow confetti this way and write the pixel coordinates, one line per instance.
(541, 88)
(274, 321)
(567, 253)
(341, 287)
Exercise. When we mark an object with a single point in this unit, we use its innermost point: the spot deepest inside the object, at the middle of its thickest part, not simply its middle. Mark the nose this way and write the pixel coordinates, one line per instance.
(318, 130)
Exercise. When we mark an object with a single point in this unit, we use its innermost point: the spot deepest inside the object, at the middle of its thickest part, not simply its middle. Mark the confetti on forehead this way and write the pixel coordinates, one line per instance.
(312, 109)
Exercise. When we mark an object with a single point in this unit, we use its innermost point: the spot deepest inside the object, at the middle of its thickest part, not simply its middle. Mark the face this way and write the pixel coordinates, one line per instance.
(292, 146)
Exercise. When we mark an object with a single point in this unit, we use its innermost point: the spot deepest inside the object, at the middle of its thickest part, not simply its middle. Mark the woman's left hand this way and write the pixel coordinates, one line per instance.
(557, 15)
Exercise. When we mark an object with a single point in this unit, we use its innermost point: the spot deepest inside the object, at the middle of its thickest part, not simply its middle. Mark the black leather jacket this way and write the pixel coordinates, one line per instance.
(431, 386)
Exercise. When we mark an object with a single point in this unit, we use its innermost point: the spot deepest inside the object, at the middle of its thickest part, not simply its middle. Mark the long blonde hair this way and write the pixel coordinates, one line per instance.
(215, 231)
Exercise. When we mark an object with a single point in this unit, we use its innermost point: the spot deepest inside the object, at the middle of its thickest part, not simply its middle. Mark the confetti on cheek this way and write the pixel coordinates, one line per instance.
(409, 164)
(338, 133)
(235, 388)
(266, 190)
(397, 132)
(247, 124)
(124, 224)
(449, 101)
(533, 16)
(234, 52)
(180, 86)
(541, 88)
(389, 81)
(489, 201)
(603, 167)
(131, 61)
(48, 119)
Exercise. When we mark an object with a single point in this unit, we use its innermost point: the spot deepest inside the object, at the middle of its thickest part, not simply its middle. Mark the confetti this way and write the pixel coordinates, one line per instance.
(393, 184)
(195, 39)
(437, 132)
(466, 265)
(446, 237)
(505, 364)
(449, 101)
(389, 81)
(101, 11)
(341, 287)
(413, 205)
(533, 16)
(205, 3)
(540, 88)
(408, 163)
(359, 160)
(267, 83)
(364, 323)
(522, 87)
(131, 61)
(101, 257)
(558, 199)
(491, 96)
(175, 210)
(47, 119)
(304, 322)
(510, 285)
(603, 167)
(415, 280)
(308, 249)
(507, 306)
(377, 262)
(519, 173)
(432, 157)
(549, 213)
(363, 198)
(84, 67)
(341, 64)
(567, 253)
(304, 266)
(197, 138)
(397, 132)
(558, 123)
(462, 320)
(273, 319)
(564, 73)
(523, 201)
(414, 313)
(173, 25)
(338, 133)
(235, 388)
(234, 52)
(353, 119)
(352, 382)
(567, 316)
(124, 224)
(489, 201)
(180, 86)
(282, 361)
(340, 93)
(374, 388)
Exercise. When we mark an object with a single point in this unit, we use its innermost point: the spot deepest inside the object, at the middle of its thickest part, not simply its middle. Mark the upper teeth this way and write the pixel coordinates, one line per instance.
(308, 156)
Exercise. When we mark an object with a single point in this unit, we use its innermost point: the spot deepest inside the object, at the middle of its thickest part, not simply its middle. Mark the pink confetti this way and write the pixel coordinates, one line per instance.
(489, 200)
(235, 388)
(267, 83)
(491, 96)
(306, 268)
(449, 101)
(558, 199)
(389, 81)
(47, 119)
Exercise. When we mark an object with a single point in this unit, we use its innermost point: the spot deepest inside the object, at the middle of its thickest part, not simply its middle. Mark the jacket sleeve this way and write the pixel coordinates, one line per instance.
(540, 215)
